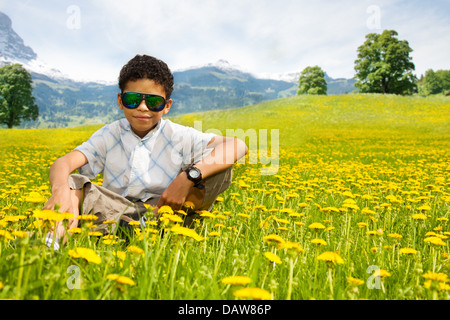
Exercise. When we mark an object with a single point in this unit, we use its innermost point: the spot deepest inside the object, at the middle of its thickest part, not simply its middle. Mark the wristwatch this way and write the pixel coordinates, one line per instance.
(195, 175)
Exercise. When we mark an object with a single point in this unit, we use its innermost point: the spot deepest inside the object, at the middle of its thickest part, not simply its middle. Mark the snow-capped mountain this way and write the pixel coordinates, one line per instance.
(11, 44)
(226, 66)
(13, 50)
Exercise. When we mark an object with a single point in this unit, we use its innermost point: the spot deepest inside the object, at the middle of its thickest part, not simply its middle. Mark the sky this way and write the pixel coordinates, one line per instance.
(93, 39)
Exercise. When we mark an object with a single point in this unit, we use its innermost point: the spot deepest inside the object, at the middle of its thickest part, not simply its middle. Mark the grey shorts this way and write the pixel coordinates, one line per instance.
(108, 205)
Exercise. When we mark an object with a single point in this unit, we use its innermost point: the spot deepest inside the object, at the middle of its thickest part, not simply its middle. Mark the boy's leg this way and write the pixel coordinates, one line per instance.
(105, 204)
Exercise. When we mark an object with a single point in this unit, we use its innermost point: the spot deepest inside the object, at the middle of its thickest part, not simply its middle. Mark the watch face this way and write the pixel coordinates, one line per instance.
(193, 173)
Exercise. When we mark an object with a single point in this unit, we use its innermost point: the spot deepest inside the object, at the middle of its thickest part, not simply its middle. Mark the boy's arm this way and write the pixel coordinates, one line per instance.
(225, 153)
(59, 180)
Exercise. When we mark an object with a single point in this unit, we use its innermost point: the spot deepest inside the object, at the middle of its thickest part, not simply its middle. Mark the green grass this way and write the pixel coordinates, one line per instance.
(372, 169)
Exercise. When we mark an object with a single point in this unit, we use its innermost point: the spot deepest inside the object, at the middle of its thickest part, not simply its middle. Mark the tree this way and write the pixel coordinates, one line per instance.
(435, 82)
(384, 65)
(16, 99)
(312, 81)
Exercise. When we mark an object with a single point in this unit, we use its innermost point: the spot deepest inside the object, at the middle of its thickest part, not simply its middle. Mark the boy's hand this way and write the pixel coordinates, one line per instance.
(61, 197)
(176, 193)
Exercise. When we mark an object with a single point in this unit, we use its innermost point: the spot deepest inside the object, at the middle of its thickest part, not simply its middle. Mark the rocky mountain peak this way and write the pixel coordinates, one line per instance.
(11, 44)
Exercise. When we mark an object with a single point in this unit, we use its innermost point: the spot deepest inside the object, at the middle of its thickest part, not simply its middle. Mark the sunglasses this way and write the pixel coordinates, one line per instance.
(132, 100)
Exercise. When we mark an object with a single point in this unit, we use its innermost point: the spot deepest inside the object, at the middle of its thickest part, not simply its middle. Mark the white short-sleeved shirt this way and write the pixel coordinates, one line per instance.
(142, 168)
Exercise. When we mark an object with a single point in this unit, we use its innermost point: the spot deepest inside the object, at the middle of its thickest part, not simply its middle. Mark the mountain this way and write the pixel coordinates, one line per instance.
(11, 44)
(63, 102)
(219, 86)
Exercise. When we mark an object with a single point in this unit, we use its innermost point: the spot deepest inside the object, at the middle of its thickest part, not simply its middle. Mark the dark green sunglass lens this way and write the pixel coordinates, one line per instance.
(132, 100)
(154, 101)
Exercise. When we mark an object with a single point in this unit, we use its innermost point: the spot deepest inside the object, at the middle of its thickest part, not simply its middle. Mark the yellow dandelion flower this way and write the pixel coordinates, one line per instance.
(207, 214)
(439, 276)
(136, 250)
(213, 234)
(186, 232)
(87, 217)
(424, 208)
(151, 230)
(237, 280)
(319, 242)
(355, 281)
(381, 273)
(253, 293)
(35, 197)
(95, 234)
(91, 225)
(435, 241)
(149, 207)
(273, 257)
(85, 253)
(165, 209)
(51, 215)
(14, 218)
(368, 211)
(296, 215)
(419, 216)
(408, 251)
(395, 236)
(121, 279)
(109, 241)
(273, 238)
(109, 221)
(189, 205)
(330, 256)
(6, 235)
(291, 245)
(316, 226)
(74, 230)
(220, 199)
(284, 221)
(20, 234)
(170, 217)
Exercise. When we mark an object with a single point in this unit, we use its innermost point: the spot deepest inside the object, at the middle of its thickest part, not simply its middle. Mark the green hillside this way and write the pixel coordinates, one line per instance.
(304, 118)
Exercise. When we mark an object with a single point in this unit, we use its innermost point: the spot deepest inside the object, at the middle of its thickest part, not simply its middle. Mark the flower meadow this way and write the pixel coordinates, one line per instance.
(358, 209)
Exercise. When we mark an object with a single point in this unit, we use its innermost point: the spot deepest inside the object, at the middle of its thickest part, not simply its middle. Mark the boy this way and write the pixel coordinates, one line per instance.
(144, 158)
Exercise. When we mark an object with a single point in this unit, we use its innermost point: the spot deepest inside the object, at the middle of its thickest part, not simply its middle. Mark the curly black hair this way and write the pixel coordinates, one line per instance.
(147, 67)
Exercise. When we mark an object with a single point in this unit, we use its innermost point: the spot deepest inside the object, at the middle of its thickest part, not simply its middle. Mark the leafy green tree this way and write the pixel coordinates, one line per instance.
(312, 81)
(435, 82)
(384, 65)
(16, 99)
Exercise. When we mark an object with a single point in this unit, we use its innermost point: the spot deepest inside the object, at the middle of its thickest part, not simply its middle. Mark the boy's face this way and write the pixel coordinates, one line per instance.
(141, 119)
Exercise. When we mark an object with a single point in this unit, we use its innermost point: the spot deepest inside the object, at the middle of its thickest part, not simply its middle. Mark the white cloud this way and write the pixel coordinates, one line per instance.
(261, 36)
